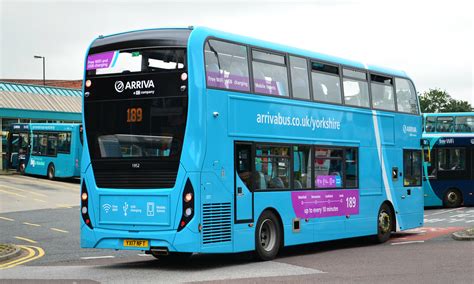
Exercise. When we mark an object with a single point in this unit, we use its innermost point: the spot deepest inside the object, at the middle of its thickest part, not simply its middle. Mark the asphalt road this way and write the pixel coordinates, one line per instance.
(425, 255)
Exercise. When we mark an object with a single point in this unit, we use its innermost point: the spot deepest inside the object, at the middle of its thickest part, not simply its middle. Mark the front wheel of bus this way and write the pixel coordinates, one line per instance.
(385, 223)
(452, 198)
(51, 171)
(267, 236)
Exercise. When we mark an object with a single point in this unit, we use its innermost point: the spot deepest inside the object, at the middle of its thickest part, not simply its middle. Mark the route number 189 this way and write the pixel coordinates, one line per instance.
(351, 202)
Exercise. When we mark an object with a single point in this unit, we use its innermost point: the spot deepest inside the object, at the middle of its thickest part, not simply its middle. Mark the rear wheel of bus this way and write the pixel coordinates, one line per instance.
(385, 223)
(267, 236)
(452, 198)
(51, 171)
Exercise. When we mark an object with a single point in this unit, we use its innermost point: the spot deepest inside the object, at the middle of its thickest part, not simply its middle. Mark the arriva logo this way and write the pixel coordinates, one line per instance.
(410, 129)
(133, 85)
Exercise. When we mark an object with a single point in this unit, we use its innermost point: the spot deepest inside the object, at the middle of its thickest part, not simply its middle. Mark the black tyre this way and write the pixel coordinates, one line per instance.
(385, 224)
(51, 172)
(452, 198)
(268, 238)
(174, 257)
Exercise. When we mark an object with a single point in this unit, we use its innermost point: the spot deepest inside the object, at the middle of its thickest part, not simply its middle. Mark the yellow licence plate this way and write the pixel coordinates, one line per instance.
(135, 243)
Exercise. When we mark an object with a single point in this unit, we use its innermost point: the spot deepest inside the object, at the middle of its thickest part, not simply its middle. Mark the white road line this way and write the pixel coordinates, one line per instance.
(97, 257)
(144, 254)
(444, 211)
(405, 243)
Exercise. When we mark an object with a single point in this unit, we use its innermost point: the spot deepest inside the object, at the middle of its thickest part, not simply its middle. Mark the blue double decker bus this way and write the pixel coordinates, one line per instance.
(53, 150)
(200, 141)
(449, 159)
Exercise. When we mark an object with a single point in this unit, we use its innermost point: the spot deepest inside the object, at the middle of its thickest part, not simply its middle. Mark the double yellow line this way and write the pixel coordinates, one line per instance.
(32, 254)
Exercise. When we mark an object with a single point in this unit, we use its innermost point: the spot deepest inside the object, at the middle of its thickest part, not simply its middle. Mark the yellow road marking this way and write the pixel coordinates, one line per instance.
(26, 240)
(31, 224)
(39, 200)
(59, 230)
(23, 190)
(64, 206)
(12, 193)
(30, 257)
(7, 219)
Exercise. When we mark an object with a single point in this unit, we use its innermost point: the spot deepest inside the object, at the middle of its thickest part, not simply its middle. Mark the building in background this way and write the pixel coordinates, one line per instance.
(20, 102)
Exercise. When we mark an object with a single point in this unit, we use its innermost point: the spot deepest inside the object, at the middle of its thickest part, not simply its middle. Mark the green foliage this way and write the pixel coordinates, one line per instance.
(437, 100)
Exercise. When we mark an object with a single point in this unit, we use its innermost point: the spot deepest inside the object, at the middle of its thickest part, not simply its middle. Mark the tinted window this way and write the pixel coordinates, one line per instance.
(406, 96)
(328, 168)
(326, 83)
(452, 159)
(430, 124)
(270, 57)
(64, 142)
(270, 79)
(272, 166)
(52, 144)
(226, 66)
(356, 93)
(412, 167)
(354, 74)
(299, 77)
(464, 124)
(302, 167)
(351, 168)
(382, 96)
(444, 124)
(244, 163)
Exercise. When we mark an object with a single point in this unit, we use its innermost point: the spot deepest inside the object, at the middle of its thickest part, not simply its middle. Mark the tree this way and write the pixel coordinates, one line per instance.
(437, 100)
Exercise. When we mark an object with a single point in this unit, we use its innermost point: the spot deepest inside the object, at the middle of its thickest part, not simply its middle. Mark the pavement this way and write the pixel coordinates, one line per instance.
(48, 234)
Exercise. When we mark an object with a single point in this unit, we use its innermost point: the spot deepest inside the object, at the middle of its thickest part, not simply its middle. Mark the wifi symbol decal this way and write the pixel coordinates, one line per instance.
(106, 207)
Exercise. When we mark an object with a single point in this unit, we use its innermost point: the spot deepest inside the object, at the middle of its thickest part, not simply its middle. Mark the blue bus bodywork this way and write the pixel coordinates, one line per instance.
(225, 210)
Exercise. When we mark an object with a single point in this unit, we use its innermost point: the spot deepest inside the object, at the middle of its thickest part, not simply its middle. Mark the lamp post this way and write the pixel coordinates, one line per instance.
(44, 68)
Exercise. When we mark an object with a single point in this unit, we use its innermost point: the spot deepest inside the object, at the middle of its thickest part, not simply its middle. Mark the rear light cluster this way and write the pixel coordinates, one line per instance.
(188, 205)
(85, 205)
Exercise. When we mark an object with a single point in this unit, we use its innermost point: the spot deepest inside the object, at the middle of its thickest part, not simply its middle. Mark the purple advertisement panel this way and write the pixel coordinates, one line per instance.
(328, 181)
(100, 60)
(232, 82)
(266, 87)
(325, 203)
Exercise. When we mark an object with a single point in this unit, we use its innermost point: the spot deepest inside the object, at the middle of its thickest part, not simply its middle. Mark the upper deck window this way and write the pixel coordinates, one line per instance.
(135, 61)
(356, 88)
(326, 83)
(299, 77)
(382, 92)
(445, 124)
(226, 66)
(270, 74)
(406, 96)
(430, 124)
(464, 124)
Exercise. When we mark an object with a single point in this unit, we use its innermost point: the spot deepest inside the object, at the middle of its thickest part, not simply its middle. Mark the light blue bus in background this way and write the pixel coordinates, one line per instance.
(53, 150)
(449, 159)
(200, 141)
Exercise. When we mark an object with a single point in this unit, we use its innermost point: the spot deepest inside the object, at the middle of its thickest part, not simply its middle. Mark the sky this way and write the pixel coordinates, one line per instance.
(431, 40)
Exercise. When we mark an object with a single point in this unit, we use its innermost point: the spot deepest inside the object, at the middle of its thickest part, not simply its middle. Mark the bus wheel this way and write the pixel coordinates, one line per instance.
(385, 223)
(51, 171)
(452, 198)
(267, 236)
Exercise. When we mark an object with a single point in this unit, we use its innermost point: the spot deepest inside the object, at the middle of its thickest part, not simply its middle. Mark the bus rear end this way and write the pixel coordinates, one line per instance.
(136, 194)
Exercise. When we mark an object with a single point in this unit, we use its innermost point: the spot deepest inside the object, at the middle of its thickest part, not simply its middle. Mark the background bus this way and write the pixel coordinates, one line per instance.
(47, 149)
(449, 160)
(271, 146)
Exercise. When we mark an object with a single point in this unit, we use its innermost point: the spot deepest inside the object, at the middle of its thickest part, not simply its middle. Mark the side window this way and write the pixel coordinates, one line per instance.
(40, 144)
(52, 144)
(328, 167)
(444, 124)
(452, 159)
(412, 167)
(382, 92)
(244, 163)
(226, 66)
(406, 96)
(64, 142)
(299, 78)
(356, 88)
(302, 167)
(269, 73)
(326, 83)
(351, 168)
(272, 167)
(464, 124)
(430, 124)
